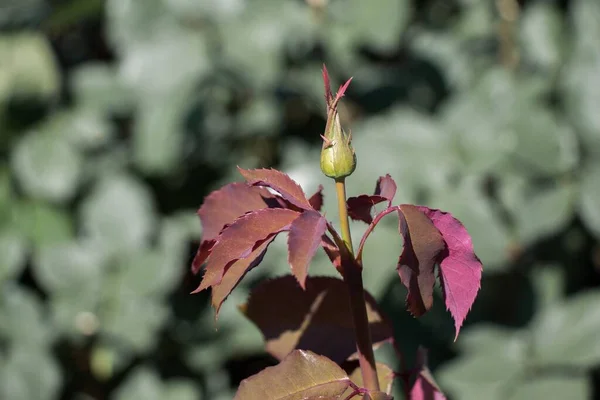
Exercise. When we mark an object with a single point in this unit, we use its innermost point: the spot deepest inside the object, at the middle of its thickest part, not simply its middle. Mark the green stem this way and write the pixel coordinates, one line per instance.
(352, 273)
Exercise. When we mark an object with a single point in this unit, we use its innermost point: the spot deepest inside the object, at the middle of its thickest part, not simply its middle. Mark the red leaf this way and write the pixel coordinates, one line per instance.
(303, 241)
(359, 208)
(317, 319)
(460, 268)
(279, 182)
(221, 208)
(316, 200)
(236, 272)
(301, 375)
(424, 386)
(240, 239)
(422, 245)
(386, 187)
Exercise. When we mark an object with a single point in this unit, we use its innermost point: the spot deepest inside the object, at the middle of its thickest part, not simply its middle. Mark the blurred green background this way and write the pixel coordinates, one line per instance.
(117, 117)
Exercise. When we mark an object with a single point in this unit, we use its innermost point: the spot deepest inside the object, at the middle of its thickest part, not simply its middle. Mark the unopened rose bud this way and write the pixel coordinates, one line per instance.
(338, 159)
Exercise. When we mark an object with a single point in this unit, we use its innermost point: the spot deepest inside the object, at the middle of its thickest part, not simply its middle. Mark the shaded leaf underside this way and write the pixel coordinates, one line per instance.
(422, 245)
(316, 319)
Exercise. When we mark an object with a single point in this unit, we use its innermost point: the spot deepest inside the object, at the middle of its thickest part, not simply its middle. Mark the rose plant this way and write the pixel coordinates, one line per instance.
(323, 329)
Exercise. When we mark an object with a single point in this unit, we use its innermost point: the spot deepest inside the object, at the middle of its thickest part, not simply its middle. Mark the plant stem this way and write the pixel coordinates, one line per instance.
(352, 273)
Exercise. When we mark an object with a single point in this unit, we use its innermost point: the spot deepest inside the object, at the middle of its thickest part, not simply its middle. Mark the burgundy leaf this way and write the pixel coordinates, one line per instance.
(303, 241)
(318, 318)
(236, 272)
(460, 269)
(359, 208)
(386, 187)
(225, 205)
(316, 200)
(422, 245)
(279, 182)
(424, 386)
(239, 240)
(221, 208)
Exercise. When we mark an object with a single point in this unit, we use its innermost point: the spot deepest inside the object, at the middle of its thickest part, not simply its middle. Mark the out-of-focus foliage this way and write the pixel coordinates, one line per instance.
(118, 116)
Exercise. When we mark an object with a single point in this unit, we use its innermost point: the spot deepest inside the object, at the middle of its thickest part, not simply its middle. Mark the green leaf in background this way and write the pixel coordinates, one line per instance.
(13, 249)
(69, 267)
(143, 383)
(118, 215)
(579, 74)
(100, 88)
(400, 143)
(29, 374)
(541, 36)
(538, 212)
(47, 166)
(158, 135)
(589, 201)
(180, 390)
(492, 339)
(544, 144)
(42, 224)
(22, 12)
(85, 128)
(133, 320)
(262, 117)
(193, 10)
(172, 58)
(148, 273)
(252, 42)
(568, 332)
(576, 388)
(468, 203)
(23, 321)
(469, 377)
(27, 65)
(378, 23)
(132, 22)
(493, 362)
(549, 282)
(445, 49)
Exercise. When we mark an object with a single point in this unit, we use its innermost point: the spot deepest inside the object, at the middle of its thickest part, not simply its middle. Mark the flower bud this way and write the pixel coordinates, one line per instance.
(338, 159)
